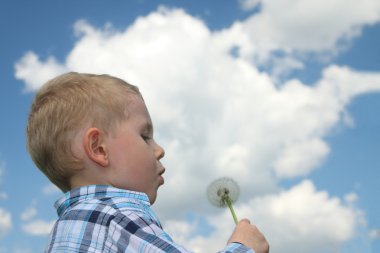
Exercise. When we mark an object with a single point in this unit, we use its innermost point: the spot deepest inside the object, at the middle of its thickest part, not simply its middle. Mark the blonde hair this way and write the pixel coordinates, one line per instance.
(61, 108)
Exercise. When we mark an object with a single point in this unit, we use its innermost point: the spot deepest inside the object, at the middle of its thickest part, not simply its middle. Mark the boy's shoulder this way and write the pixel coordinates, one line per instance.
(97, 219)
(102, 204)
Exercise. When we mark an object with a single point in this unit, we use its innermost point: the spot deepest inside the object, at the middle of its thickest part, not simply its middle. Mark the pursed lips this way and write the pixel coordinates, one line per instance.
(162, 171)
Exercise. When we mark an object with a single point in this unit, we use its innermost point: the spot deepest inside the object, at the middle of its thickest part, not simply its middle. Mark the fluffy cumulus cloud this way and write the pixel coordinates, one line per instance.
(3, 195)
(33, 225)
(5, 215)
(218, 115)
(34, 72)
(5, 222)
(304, 26)
(374, 234)
(50, 189)
(308, 216)
(38, 227)
(29, 213)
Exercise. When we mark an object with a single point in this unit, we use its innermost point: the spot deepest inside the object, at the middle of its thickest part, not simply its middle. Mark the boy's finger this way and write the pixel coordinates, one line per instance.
(245, 221)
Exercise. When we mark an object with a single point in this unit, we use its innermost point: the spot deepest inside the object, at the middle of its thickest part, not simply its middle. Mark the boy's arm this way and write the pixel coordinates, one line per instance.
(235, 247)
(138, 234)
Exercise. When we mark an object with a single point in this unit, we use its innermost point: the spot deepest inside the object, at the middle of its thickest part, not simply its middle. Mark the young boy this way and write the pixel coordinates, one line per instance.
(92, 136)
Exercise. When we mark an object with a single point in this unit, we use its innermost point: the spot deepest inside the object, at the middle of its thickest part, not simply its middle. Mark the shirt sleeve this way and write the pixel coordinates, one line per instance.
(138, 234)
(236, 248)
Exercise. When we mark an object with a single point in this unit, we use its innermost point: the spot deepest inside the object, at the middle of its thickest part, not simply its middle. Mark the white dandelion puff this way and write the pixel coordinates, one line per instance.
(223, 192)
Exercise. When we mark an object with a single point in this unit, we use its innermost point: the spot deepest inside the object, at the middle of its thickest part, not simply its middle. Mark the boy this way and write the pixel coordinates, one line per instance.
(92, 136)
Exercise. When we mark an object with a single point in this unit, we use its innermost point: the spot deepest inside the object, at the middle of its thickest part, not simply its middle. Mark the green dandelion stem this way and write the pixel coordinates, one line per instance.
(227, 200)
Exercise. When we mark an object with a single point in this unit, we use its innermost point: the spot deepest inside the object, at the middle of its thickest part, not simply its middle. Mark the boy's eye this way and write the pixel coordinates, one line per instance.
(146, 137)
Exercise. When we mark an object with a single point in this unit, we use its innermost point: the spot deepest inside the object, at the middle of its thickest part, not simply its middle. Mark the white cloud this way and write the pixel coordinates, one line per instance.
(50, 189)
(351, 198)
(291, 162)
(5, 216)
(218, 115)
(21, 250)
(249, 4)
(33, 225)
(304, 219)
(38, 227)
(308, 25)
(34, 72)
(374, 234)
(2, 166)
(292, 27)
(5, 222)
(3, 196)
(29, 213)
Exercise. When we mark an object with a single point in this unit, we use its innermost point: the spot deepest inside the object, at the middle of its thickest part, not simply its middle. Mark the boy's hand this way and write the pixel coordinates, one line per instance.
(249, 235)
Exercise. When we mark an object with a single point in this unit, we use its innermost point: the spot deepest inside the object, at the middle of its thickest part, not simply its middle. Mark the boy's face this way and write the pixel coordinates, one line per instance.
(134, 156)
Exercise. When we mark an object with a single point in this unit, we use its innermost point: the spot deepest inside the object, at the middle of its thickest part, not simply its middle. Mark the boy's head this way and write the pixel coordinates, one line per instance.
(77, 118)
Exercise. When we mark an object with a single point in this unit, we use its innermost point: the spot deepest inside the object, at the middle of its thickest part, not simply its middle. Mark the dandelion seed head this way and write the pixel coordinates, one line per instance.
(221, 188)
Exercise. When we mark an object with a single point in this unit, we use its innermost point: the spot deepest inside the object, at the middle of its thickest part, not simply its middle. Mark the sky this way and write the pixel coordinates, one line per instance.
(283, 96)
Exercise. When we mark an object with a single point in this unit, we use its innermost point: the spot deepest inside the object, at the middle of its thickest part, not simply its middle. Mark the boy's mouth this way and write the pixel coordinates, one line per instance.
(162, 180)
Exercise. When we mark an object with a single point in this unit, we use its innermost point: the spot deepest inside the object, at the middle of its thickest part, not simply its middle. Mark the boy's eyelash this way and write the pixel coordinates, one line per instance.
(146, 137)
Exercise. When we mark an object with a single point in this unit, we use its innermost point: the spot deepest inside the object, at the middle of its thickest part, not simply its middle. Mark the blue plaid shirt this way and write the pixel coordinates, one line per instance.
(100, 218)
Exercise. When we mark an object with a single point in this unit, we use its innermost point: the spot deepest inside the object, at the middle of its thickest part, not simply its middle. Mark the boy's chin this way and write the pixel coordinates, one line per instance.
(151, 196)
(152, 199)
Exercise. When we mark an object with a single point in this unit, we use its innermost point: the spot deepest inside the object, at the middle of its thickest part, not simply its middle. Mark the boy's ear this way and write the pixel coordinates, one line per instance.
(95, 147)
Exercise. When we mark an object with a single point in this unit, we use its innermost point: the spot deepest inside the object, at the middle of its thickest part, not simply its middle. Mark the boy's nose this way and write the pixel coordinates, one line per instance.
(159, 152)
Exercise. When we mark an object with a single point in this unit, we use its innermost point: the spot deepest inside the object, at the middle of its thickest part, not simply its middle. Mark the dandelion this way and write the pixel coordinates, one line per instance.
(223, 192)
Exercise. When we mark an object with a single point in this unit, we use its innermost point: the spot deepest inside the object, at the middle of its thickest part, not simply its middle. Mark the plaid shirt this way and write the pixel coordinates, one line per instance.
(99, 218)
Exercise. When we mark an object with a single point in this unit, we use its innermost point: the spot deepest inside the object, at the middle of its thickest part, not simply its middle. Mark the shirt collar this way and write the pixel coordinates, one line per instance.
(72, 197)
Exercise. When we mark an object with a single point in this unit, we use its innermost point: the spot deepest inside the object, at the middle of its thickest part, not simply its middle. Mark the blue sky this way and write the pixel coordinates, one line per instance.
(285, 100)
